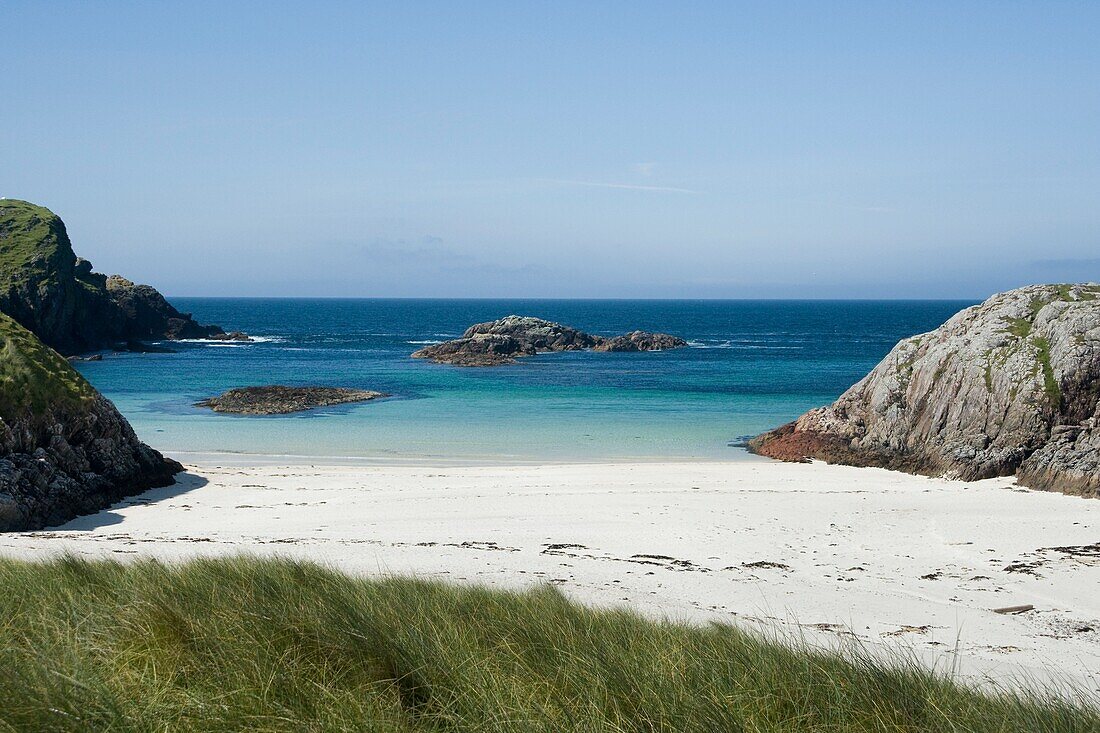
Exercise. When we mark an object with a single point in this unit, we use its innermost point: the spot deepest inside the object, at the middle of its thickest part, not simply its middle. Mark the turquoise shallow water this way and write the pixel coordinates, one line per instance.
(752, 365)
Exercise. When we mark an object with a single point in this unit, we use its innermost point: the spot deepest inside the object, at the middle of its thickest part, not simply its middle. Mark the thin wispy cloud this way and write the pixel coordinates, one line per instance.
(1068, 262)
(626, 186)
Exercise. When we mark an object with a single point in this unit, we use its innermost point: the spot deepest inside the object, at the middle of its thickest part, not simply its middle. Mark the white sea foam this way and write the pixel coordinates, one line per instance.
(742, 345)
(221, 342)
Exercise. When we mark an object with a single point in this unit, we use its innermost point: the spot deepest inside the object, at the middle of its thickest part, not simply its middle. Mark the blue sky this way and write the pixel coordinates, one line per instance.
(863, 149)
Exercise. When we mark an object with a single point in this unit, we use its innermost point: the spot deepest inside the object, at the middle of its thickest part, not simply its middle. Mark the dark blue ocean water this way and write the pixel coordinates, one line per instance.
(752, 365)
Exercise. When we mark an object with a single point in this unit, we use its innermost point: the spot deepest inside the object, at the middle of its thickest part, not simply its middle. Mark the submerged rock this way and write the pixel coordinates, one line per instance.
(641, 341)
(278, 399)
(55, 294)
(64, 449)
(502, 341)
(1011, 386)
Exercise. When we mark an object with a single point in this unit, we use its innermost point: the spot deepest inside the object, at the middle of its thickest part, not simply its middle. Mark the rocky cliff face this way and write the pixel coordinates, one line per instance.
(502, 341)
(148, 315)
(1010, 386)
(64, 449)
(49, 290)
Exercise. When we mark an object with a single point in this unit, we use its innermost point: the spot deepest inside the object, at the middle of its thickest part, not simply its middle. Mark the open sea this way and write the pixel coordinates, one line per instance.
(752, 365)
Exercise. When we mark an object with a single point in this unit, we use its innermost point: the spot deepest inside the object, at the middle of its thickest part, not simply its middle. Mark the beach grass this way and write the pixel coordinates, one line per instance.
(280, 645)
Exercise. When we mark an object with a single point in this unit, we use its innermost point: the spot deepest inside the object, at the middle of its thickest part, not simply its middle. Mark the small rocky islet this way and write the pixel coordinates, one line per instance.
(1007, 387)
(494, 343)
(280, 399)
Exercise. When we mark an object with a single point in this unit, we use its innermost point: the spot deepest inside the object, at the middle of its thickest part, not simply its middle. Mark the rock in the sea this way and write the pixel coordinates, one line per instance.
(502, 341)
(538, 334)
(64, 449)
(1011, 386)
(478, 350)
(148, 315)
(56, 295)
(279, 399)
(232, 336)
(641, 341)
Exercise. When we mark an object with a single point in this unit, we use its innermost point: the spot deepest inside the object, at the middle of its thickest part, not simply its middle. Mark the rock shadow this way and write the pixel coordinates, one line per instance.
(185, 481)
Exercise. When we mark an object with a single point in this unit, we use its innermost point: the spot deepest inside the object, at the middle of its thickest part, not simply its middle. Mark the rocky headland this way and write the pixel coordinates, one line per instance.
(64, 449)
(279, 399)
(49, 290)
(1010, 386)
(503, 341)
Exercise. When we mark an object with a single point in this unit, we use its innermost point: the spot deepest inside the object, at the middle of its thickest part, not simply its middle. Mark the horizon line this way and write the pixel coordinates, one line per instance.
(566, 299)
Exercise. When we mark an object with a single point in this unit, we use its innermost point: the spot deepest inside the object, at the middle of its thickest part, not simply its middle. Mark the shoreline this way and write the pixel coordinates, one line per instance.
(830, 554)
(739, 455)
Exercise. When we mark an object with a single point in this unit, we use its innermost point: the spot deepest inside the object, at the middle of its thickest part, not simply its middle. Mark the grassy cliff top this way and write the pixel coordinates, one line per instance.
(31, 237)
(34, 377)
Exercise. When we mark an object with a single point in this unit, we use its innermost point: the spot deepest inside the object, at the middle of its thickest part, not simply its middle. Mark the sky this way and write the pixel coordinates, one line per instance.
(566, 149)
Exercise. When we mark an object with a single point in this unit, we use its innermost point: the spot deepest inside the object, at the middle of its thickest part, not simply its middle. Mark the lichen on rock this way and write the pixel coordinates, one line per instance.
(1010, 385)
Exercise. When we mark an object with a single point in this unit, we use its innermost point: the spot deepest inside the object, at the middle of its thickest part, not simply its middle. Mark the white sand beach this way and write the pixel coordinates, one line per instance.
(832, 553)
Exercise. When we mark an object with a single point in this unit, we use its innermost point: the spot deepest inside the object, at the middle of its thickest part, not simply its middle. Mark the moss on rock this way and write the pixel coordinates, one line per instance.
(64, 449)
(35, 378)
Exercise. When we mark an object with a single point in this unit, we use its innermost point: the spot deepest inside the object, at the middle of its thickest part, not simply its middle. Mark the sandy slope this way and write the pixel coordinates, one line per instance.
(834, 553)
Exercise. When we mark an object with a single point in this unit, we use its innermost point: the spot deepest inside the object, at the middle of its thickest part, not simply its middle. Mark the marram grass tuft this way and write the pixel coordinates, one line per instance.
(276, 645)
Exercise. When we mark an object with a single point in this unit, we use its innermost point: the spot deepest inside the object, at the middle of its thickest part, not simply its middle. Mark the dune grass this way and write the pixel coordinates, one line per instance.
(276, 645)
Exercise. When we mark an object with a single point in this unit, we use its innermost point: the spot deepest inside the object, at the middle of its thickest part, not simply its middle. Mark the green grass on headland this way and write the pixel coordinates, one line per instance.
(30, 238)
(34, 377)
(276, 645)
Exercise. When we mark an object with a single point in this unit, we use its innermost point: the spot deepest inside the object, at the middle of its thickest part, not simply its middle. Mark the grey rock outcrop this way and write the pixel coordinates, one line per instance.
(64, 449)
(148, 315)
(503, 341)
(641, 341)
(539, 334)
(1007, 387)
(279, 399)
(478, 350)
